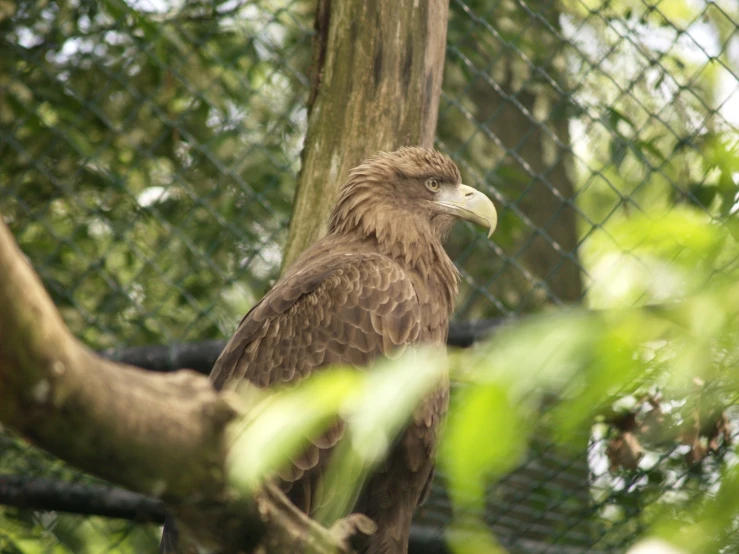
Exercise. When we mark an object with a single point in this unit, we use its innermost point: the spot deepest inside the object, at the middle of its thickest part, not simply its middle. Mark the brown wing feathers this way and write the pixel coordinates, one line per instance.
(380, 281)
(365, 307)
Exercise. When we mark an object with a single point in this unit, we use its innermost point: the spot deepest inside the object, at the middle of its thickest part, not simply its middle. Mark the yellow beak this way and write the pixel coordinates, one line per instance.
(470, 204)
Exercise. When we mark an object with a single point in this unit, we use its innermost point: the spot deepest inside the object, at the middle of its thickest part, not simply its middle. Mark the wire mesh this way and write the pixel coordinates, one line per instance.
(150, 148)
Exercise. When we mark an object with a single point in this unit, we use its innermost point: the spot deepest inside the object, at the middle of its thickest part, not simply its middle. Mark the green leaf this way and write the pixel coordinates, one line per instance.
(281, 425)
(485, 437)
(649, 146)
(619, 147)
(614, 116)
(702, 195)
(375, 415)
(727, 189)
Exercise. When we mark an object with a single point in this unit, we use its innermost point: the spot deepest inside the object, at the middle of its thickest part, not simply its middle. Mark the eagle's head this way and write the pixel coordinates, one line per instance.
(406, 197)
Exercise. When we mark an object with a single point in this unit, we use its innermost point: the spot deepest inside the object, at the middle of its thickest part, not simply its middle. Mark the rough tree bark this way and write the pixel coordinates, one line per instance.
(376, 84)
(163, 435)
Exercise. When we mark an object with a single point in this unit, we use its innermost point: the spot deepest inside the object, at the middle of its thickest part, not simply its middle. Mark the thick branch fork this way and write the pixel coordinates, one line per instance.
(162, 435)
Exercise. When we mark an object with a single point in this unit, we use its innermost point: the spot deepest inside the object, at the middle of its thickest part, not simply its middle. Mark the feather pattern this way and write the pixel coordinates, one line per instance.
(378, 282)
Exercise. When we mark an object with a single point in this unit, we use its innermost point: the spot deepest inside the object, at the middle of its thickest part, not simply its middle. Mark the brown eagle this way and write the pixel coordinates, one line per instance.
(379, 281)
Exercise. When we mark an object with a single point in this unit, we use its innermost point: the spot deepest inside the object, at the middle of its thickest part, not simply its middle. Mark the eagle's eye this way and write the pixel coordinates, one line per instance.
(433, 185)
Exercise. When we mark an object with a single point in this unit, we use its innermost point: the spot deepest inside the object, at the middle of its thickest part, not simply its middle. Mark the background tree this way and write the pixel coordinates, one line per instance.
(508, 66)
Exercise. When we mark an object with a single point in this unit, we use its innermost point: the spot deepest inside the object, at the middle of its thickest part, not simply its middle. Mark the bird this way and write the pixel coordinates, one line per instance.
(378, 282)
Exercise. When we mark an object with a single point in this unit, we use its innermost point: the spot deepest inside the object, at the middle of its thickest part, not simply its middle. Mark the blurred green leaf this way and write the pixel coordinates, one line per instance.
(487, 417)
(281, 425)
(375, 415)
(619, 149)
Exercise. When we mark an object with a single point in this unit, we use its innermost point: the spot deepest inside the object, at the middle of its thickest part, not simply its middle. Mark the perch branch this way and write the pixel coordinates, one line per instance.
(162, 435)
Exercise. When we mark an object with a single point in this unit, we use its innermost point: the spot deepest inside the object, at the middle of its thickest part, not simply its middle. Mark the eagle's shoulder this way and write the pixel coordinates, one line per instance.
(335, 306)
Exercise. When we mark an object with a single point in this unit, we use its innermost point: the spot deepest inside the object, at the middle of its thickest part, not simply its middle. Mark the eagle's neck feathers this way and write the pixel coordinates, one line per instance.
(404, 236)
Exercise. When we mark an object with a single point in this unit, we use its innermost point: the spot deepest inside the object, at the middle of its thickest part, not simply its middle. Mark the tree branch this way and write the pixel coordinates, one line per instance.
(78, 406)
(76, 498)
(163, 435)
(105, 501)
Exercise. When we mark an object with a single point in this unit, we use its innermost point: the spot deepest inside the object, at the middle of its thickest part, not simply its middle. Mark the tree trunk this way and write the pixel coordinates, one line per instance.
(376, 84)
(515, 136)
(538, 149)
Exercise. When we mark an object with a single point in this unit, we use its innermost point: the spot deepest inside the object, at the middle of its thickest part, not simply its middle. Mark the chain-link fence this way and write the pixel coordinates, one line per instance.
(148, 155)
